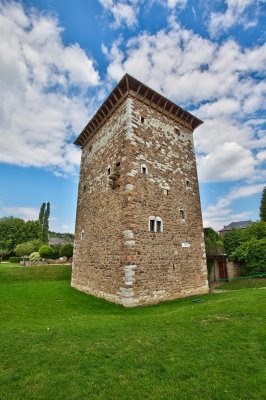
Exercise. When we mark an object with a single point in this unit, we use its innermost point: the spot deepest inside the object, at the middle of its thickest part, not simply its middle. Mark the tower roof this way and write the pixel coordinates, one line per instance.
(131, 86)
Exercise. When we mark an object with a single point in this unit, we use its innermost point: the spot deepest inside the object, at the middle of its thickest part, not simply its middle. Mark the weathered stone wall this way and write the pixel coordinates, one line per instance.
(97, 257)
(119, 258)
(161, 268)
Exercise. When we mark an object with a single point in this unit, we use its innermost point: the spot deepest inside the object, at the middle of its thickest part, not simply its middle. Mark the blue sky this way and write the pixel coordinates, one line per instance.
(59, 60)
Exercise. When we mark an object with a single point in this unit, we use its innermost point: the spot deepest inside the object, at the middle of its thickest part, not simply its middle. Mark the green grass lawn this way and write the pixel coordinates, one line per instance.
(244, 283)
(58, 343)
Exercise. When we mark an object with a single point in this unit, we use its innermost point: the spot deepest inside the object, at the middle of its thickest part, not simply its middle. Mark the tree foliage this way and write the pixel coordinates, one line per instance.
(35, 256)
(232, 240)
(26, 248)
(3, 253)
(213, 242)
(263, 206)
(66, 250)
(46, 251)
(251, 250)
(44, 215)
(11, 232)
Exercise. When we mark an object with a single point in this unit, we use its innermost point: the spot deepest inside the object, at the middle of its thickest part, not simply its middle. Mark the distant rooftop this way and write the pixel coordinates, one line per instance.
(131, 86)
(236, 225)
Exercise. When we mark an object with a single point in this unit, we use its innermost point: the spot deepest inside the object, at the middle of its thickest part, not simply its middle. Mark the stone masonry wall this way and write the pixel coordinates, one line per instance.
(97, 257)
(118, 258)
(159, 268)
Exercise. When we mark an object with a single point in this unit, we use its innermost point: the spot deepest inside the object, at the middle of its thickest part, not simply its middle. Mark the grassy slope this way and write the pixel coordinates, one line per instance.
(58, 343)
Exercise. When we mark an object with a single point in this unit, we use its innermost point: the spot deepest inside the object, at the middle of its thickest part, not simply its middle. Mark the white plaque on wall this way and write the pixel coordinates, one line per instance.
(185, 244)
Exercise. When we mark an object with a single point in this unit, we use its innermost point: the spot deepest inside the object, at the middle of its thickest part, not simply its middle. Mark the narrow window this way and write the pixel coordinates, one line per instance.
(84, 188)
(109, 171)
(82, 235)
(177, 131)
(118, 164)
(158, 226)
(181, 214)
(152, 225)
(187, 183)
(144, 169)
(142, 120)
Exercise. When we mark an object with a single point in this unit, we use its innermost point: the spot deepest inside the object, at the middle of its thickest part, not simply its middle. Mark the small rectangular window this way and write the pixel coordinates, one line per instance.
(109, 171)
(177, 131)
(82, 235)
(118, 164)
(187, 183)
(152, 225)
(159, 226)
(181, 214)
(142, 120)
(144, 170)
(84, 188)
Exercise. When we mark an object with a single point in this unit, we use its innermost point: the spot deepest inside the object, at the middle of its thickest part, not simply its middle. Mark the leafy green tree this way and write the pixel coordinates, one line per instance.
(66, 250)
(232, 240)
(30, 231)
(46, 223)
(11, 232)
(263, 206)
(43, 221)
(3, 253)
(26, 248)
(211, 238)
(46, 251)
(256, 230)
(253, 254)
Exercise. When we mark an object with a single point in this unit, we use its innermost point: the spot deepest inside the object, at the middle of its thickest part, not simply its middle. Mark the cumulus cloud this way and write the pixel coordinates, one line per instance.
(222, 84)
(39, 111)
(123, 12)
(222, 213)
(238, 12)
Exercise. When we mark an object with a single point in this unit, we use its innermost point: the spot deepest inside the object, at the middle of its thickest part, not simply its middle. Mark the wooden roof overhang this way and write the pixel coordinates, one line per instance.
(129, 86)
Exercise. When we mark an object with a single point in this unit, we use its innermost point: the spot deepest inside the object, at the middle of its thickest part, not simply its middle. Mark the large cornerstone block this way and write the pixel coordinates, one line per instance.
(139, 237)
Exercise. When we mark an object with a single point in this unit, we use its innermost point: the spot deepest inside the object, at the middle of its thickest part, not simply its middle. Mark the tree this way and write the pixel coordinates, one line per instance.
(3, 253)
(66, 250)
(253, 254)
(11, 232)
(232, 240)
(46, 223)
(26, 248)
(211, 239)
(46, 251)
(263, 206)
(44, 215)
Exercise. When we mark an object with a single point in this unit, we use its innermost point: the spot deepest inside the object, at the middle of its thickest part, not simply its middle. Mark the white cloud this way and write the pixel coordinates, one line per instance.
(26, 213)
(221, 213)
(238, 12)
(38, 111)
(123, 12)
(227, 162)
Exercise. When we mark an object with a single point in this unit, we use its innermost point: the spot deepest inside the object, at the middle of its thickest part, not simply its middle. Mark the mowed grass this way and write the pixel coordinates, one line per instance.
(58, 343)
(244, 283)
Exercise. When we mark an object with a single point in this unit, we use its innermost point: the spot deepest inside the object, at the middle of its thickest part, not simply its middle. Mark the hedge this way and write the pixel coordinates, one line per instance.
(15, 259)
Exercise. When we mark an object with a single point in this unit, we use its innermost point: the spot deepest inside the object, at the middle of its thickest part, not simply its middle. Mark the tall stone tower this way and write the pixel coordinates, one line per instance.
(139, 237)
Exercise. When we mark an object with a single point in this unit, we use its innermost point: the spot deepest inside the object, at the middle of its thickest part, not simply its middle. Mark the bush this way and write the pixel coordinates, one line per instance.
(15, 259)
(46, 251)
(35, 256)
(56, 249)
(66, 250)
(253, 254)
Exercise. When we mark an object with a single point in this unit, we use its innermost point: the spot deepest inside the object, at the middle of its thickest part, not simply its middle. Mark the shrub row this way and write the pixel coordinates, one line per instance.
(15, 259)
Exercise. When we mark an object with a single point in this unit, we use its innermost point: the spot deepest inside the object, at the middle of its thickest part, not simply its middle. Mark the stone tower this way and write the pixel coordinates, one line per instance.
(139, 237)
